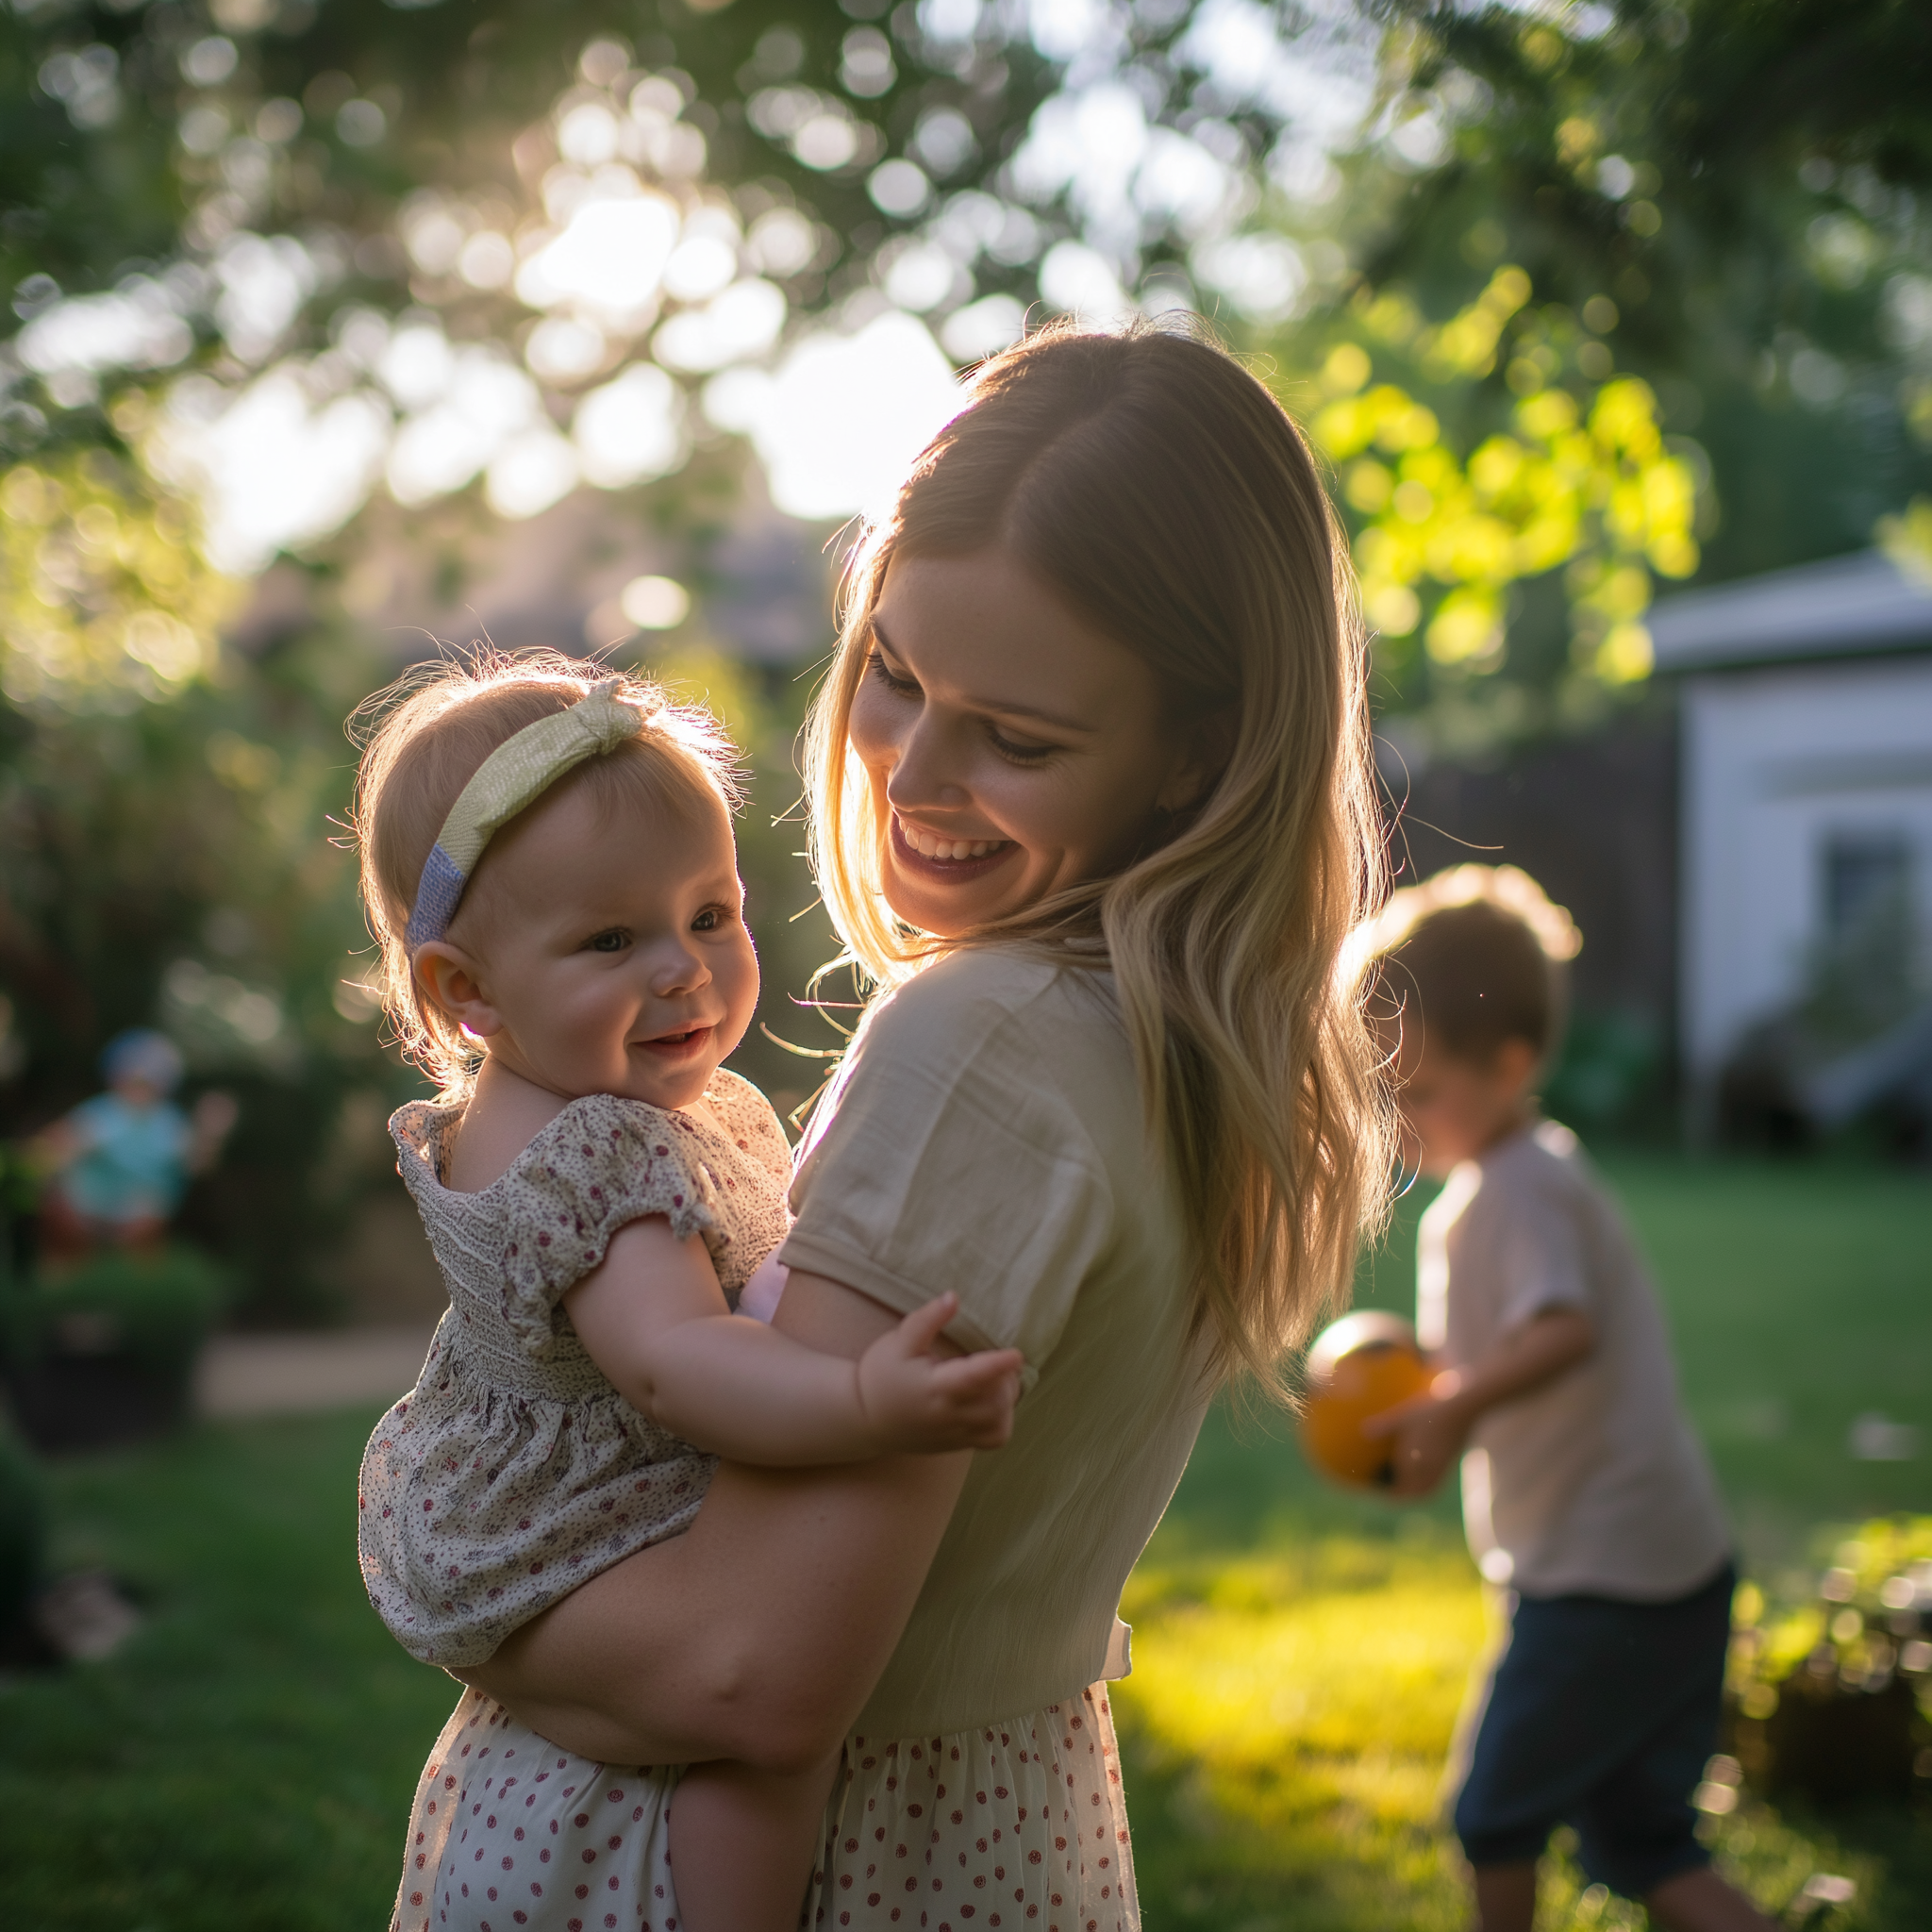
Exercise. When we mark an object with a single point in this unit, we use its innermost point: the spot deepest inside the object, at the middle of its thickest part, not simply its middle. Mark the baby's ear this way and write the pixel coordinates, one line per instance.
(448, 978)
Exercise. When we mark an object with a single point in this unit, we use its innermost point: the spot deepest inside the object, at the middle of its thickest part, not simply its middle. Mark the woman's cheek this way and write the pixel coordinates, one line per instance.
(866, 729)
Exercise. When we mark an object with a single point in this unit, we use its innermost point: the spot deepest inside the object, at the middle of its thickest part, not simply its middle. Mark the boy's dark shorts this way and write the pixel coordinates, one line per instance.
(1601, 1715)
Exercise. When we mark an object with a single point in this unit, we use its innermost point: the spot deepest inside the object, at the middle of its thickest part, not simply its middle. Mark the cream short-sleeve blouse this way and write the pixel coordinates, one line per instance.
(986, 1135)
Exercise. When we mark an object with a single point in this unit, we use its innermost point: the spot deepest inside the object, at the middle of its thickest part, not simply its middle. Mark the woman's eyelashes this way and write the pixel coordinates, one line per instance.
(903, 687)
(1015, 750)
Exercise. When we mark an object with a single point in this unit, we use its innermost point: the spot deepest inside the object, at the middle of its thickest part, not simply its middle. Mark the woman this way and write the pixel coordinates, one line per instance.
(1091, 796)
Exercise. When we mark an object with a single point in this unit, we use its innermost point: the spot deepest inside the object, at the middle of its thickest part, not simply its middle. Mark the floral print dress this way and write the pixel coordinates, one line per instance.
(514, 1472)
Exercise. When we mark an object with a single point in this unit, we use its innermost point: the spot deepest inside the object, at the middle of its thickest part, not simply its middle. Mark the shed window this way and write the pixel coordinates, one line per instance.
(1866, 874)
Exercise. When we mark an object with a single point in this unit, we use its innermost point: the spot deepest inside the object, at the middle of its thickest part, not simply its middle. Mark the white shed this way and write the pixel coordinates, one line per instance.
(1807, 779)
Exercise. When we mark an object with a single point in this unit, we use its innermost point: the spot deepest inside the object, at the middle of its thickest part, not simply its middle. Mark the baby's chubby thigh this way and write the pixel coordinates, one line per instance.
(507, 1830)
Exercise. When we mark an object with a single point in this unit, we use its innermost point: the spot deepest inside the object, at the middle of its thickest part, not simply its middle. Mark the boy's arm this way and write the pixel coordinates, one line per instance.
(654, 1321)
(1430, 1431)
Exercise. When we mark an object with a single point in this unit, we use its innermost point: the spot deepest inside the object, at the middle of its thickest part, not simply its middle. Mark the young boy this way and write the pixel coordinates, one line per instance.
(1584, 1493)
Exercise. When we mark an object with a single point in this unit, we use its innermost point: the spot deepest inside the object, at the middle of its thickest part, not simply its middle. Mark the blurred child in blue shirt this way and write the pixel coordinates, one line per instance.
(121, 1162)
(1585, 1494)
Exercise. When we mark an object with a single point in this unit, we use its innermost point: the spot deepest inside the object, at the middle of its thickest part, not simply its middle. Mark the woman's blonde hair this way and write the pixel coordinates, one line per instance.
(1159, 488)
(423, 740)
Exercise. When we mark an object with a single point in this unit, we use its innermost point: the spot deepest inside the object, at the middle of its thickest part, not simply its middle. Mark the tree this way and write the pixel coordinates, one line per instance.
(1716, 201)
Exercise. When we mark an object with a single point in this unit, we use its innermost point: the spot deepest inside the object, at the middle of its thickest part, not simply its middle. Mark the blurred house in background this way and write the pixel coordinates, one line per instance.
(1805, 844)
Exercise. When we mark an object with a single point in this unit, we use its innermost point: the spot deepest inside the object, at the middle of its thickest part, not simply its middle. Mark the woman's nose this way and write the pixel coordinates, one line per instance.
(926, 770)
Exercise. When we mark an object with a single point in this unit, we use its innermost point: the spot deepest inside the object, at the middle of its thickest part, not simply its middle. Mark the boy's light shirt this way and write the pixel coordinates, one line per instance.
(1593, 1484)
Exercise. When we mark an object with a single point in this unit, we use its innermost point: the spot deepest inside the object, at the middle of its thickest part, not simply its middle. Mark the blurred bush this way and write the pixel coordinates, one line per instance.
(1829, 1691)
(105, 1353)
(155, 1309)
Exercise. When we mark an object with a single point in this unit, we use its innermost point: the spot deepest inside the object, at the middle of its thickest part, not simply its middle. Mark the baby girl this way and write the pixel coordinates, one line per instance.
(548, 865)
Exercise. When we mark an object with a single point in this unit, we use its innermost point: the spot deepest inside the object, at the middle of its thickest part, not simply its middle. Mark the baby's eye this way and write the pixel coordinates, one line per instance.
(710, 919)
(612, 941)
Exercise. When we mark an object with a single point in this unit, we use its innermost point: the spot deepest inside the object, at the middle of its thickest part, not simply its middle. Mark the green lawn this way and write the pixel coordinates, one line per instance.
(1300, 1653)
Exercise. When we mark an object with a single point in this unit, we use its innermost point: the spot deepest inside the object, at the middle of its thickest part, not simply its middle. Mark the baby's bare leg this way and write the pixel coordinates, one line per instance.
(742, 1843)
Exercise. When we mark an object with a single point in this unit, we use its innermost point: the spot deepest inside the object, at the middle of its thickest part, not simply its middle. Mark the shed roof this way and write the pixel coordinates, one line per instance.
(1843, 606)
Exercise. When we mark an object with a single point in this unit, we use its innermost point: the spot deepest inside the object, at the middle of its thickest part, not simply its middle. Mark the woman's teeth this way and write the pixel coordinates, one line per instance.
(930, 846)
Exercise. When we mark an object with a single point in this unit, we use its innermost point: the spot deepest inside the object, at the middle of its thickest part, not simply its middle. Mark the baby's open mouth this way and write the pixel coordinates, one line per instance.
(691, 1036)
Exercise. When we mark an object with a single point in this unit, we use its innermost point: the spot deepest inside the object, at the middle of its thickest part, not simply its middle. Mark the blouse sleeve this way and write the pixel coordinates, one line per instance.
(948, 1160)
(601, 1164)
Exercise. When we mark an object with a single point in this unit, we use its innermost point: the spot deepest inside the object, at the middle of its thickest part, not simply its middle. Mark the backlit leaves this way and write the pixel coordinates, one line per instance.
(1579, 479)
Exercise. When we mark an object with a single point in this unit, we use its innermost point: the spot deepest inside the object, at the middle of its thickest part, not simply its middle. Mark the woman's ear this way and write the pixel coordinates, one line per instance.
(1206, 748)
(448, 979)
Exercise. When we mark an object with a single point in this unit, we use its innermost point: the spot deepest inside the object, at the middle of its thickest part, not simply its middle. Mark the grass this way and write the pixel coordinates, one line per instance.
(1300, 1653)
(245, 1762)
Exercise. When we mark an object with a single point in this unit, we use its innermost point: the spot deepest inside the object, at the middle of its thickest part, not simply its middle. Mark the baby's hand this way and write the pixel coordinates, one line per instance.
(931, 1403)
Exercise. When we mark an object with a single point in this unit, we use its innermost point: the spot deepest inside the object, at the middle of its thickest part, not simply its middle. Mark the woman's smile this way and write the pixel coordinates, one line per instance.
(942, 858)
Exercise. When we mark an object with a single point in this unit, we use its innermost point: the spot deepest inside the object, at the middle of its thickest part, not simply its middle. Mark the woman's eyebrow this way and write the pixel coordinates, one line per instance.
(1004, 708)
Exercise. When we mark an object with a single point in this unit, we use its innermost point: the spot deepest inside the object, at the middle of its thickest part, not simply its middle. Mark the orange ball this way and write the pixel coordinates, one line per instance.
(1359, 1367)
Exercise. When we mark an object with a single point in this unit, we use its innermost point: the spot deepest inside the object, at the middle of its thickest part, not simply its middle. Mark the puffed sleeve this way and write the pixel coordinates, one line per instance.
(946, 1159)
(601, 1164)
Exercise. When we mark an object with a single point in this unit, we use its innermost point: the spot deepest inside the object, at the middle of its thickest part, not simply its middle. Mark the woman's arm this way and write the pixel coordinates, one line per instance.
(759, 1632)
(655, 1322)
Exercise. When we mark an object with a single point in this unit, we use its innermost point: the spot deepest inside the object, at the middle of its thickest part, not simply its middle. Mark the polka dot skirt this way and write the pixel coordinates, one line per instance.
(1018, 1826)
(508, 1831)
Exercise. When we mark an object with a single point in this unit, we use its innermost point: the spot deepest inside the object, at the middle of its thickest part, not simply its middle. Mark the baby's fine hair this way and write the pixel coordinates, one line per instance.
(424, 739)
(1473, 957)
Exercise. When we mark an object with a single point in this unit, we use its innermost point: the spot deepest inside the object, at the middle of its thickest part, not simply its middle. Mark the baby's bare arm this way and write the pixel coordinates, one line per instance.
(656, 1322)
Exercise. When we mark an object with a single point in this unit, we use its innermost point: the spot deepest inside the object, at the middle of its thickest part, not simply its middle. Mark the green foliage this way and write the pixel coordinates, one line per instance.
(103, 596)
(1548, 470)
(158, 1308)
(1863, 1598)
(1730, 197)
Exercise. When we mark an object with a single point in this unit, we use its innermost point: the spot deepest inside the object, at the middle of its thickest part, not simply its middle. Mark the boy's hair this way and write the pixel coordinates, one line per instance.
(423, 740)
(1473, 957)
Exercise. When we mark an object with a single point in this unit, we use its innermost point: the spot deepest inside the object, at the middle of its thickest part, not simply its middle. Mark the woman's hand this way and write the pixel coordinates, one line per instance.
(919, 1401)
(759, 1632)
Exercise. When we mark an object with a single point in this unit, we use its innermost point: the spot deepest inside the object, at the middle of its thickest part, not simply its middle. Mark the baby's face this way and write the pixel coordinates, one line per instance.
(611, 946)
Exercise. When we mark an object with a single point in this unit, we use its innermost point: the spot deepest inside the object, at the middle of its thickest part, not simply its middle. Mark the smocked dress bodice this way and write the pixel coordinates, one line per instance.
(514, 1470)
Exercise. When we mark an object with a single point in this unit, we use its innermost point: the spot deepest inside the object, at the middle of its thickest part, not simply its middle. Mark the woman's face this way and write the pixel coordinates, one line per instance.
(1011, 748)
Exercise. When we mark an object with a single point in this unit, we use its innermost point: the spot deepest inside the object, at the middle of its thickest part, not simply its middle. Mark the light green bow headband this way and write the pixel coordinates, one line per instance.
(513, 777)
